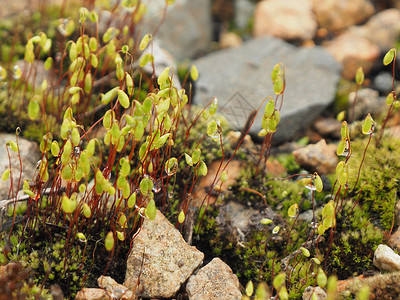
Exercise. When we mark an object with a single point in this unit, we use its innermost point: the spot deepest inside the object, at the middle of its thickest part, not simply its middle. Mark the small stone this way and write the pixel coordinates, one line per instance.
(385, 259)
(285, 19)
(229, 40)
(215, 281)
(328, 127)
(367, 101)
(394, 240)
(353, 51)
(244, 11)
(92, 294)
(205, 182)
(383, 82)
(168, 260)
(318, 157)
(381, 29)
(236, 217)
(309, 291)
(116, 290)
(338, 15)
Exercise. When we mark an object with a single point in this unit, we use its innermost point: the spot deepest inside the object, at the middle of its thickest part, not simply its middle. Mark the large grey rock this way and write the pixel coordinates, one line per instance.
(215, 281)
(168, 260)
(240, 79)
(186, 30)
(30, 155)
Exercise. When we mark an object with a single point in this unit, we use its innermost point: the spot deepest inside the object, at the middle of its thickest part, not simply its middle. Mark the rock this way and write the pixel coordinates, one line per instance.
(162, 60)
(186, 30)
(318, 157)
(205, 183)
(383, 82)
(353, 51)
(338, 15)
(306, 216)
(168, 260)
(317, 291)
(382, 29)
(285, 19)
(382, 286)
(328, 127)
(30, 155)
(368, 101)
(385, 259)
(38, 73)
(394, 240)
(114, 289)
(92, 294)
(12, 8)
(244, 11)
(215, 281)
(239, 78)
(229, 40)
(237, 220)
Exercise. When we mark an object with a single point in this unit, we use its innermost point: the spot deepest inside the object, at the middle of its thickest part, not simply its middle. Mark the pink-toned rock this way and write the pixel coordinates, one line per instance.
(328, 127)
(92, 294)
(353, 51)
(285, 19)
(382, 29)
(338, 15)
(318, 157)
(215, 281)
(394, 240)
(229, 40)
(160, 260)
(114, 289)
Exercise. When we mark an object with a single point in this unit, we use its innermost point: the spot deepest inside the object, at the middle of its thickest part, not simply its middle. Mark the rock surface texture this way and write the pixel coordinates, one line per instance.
(286, 19)
(353, 51)
(382, 29)
(30, 155)
(240, 79)
(215, 281)
(339, 14)
(168, 260)
(319, 157)
(186, 30)
(385, 259)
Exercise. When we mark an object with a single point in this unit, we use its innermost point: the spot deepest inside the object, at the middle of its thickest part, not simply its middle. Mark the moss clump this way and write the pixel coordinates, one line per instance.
(354, 242)
(379, 179)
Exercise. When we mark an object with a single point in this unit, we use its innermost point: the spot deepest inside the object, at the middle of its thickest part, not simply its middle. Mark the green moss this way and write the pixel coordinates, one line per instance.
(354, 243)
(379, 178)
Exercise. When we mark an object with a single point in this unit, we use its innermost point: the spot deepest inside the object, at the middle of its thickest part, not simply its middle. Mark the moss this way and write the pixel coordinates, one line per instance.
(354, 242)
(379, 179)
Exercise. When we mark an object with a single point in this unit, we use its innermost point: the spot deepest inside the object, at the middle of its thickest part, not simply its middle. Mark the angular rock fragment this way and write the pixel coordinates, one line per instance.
(215, 281)
(160, 260)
